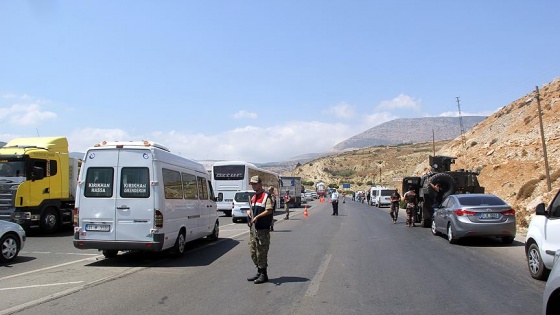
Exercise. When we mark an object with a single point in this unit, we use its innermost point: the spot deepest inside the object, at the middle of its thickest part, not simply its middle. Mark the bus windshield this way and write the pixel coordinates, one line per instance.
(229, 172)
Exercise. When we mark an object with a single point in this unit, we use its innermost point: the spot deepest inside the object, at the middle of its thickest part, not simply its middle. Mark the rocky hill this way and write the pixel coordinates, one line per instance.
(505, 148)
(409, 130)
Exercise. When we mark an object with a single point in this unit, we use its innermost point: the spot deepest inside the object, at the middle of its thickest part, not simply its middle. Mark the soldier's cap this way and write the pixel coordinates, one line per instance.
(255, 179)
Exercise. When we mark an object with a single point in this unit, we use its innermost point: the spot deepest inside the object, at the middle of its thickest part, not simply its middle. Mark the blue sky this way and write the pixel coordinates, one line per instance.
(262, 81)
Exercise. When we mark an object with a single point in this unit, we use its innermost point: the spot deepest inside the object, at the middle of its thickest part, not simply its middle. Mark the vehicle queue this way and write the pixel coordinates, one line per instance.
(457, 217)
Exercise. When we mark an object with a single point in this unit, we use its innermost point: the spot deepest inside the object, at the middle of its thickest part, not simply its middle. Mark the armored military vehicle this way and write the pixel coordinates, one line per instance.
(451, 182)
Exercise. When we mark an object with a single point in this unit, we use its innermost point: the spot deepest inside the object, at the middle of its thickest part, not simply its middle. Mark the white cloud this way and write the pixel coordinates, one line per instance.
(456, 113)
(342, 110)
(254, 144)
(400, 102)
(244, 114)
(24, 110)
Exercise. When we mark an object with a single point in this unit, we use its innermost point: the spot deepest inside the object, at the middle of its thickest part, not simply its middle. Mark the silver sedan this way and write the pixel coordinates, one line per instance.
(474, 215)
(12, 239)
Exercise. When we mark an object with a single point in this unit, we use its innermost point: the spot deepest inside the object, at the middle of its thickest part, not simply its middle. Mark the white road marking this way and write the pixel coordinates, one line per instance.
(316, 281)
(50, 267)
(40, 285)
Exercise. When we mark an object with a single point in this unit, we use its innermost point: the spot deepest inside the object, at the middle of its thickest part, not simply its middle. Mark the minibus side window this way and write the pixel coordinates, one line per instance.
(135, 182)
(99, 182)
(172, 184)
(190, 190)
(202, 188)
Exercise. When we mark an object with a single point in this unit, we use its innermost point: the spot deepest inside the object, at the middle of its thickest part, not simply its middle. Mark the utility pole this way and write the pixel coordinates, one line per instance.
(543, 141)
(461, 123)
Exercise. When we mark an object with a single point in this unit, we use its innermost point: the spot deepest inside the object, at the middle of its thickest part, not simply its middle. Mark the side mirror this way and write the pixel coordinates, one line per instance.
(540, 209)
(37, 173)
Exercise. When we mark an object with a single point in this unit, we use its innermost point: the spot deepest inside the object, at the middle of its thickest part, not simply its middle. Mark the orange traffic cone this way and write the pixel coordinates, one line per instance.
(305, 212)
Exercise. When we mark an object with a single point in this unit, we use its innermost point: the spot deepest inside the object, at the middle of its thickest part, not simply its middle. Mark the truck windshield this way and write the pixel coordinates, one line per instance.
(10, 168)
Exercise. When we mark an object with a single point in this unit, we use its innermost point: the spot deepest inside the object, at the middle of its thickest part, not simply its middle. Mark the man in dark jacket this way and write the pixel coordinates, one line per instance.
(259, 218)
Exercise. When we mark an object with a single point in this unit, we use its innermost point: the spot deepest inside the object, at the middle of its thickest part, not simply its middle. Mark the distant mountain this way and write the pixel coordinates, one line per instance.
(409, 130)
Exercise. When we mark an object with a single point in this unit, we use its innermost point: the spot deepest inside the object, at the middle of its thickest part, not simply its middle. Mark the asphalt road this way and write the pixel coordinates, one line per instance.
(354, 263)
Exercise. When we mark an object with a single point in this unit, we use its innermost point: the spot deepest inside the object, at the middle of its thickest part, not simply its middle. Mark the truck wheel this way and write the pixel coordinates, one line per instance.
(534, 261)
(110, 253)
(418, 217)
(49, 221)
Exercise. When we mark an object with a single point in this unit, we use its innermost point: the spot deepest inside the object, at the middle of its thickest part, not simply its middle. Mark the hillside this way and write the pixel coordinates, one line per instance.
(506, 148)
(409, 130)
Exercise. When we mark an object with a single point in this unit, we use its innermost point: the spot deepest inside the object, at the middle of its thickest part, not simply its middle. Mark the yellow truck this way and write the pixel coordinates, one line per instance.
(37, 182)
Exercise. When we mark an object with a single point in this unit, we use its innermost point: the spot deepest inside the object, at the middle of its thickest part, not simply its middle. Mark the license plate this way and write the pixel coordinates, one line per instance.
(489, 215)
(98, 227)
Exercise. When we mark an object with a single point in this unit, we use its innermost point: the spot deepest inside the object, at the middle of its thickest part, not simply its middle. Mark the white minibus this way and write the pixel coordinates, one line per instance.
(139, 196)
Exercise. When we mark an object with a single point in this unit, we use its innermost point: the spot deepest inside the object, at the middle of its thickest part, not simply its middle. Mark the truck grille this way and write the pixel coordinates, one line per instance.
(6, 198)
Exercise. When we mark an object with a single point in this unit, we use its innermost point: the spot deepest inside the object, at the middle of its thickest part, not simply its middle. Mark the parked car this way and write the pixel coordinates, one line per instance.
(241, 203)
(543, 239)
(12, 239)
(551, 295)
(474, 215)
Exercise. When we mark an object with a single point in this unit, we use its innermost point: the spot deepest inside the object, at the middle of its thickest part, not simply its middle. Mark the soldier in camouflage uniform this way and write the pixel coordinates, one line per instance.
(411, 205)
(259, 218)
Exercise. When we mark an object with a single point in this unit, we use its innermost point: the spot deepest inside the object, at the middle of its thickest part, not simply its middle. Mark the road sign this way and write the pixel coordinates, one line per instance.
(345, 186)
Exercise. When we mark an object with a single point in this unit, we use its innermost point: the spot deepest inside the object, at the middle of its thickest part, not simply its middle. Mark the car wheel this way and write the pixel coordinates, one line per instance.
(49, 221)
(10, 247)
(110, 253)
(179, 247)
(450, 237)
(215, 232)
(507, 239)
(534, 261)
(434, 228)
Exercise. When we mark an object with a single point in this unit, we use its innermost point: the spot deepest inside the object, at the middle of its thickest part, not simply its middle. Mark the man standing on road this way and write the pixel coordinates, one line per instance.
(260, 219)
(334, 202)
(395, 200)
(411, 203)
(287, 198)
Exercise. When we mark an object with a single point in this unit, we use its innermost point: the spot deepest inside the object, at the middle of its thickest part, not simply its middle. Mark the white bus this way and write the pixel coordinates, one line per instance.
(231, 176)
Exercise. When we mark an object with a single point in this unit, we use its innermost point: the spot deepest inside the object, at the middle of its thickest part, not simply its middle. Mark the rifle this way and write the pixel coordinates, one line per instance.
(253, 227)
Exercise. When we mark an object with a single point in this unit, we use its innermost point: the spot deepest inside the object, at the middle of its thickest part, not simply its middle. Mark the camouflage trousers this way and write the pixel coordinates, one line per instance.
(259, 247)
(394, 210)
(410, 215)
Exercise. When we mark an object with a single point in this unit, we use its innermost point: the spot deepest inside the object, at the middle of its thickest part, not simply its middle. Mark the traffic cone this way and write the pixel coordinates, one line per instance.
(305, 212)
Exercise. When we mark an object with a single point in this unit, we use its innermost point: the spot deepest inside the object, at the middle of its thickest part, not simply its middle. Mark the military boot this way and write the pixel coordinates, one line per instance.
(263, 277)
(255, 277)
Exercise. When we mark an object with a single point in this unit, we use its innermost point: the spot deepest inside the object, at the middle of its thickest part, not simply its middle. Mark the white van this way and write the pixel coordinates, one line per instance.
(381, 196)
(140, 196)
